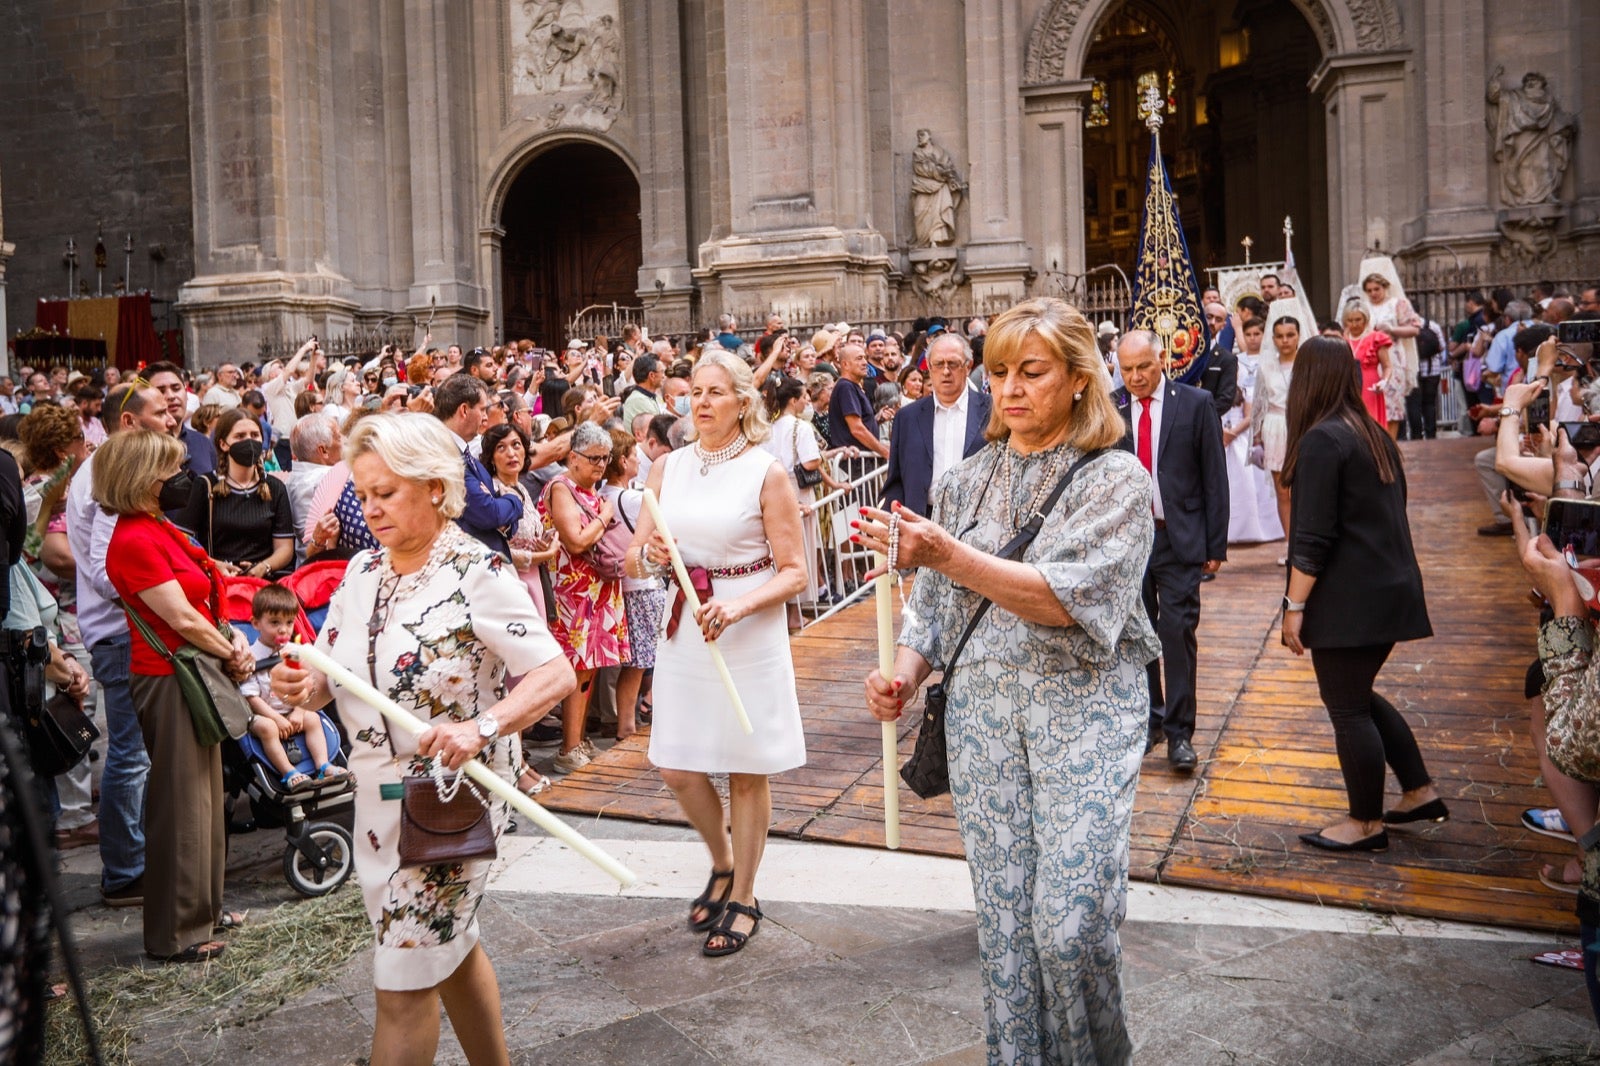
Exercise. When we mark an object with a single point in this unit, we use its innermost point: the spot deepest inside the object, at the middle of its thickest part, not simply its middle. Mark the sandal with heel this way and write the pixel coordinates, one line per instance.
(724, 930)
(711, 905)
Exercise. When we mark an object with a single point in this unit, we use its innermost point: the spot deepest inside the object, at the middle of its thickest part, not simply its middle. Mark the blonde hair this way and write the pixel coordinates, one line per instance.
(126, 465)
(1068, 336)
(753, 421)
(1379, 278)
(415, 447)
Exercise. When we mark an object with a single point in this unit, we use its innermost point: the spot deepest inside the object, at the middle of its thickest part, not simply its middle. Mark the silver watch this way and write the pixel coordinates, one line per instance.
(488, 728)
(1569, 485)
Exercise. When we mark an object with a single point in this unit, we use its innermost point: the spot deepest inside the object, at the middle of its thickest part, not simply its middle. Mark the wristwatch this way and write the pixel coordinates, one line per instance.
(488, 728)
(1510, 412)
(1289, 606)
(1569, 486)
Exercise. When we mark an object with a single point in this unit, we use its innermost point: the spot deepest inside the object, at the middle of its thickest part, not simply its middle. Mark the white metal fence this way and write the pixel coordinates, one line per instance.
(837, 566)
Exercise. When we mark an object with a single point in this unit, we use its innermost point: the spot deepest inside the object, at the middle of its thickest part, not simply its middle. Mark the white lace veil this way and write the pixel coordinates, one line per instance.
(1404, 347)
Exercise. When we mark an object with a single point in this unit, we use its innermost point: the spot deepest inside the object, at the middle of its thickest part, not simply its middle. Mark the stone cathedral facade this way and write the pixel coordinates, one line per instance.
(303, 166)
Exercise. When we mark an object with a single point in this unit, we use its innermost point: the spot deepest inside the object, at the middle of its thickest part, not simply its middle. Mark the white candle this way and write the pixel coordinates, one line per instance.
(399, 716)
(692, 601)
(891, 741)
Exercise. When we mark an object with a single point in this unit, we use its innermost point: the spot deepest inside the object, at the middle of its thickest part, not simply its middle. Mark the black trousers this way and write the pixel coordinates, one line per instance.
(1422, 409)
(1172, 600)
(1367, 730)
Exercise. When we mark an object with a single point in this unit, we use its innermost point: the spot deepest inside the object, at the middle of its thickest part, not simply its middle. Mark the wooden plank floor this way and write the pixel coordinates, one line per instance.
(1268, 770)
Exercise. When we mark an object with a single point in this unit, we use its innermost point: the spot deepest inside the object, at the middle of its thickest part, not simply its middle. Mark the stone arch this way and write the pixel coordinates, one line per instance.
(1065, 29)
(509, 164)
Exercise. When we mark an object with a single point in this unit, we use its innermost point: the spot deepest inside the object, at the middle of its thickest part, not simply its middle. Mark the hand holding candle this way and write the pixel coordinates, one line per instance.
(692, 601)
(399, 717)
(891, 745)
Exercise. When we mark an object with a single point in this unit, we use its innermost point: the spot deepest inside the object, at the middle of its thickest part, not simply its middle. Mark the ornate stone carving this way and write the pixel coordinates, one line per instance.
(569, 50)
(936, 191)
(1376, 24)
(1532, 139)
(936, 279)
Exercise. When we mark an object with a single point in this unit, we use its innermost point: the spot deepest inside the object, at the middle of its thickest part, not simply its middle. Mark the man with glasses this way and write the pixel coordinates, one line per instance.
(1221, 376)
(936, 432)
(225, 393)
(167, 379)
(135, 404)
(462, 404)
(1588, 303)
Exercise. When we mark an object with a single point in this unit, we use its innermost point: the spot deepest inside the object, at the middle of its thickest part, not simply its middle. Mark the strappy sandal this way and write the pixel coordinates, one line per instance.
(735, 940)
(712, 905)
(297, 781)
(230, 920)
(539, 785)
(329, 772)
(205, 952)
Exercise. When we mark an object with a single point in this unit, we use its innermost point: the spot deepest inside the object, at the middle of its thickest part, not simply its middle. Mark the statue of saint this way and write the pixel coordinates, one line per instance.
(936, 190)
(1532, 139)
(605, 66)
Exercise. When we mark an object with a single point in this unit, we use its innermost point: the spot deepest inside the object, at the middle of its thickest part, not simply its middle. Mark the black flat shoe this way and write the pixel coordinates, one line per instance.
(712, 905)
(1432, 811)
(1378, 841)
(724, 930)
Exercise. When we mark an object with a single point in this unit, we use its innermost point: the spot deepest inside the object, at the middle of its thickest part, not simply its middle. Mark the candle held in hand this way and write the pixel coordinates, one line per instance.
(882, 588)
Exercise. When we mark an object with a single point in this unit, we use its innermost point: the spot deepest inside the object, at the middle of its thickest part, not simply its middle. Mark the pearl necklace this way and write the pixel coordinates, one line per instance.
(1046, 482)
(722, 454)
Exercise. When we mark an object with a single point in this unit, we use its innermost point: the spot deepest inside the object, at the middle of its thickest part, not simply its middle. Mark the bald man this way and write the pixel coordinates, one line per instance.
(1221, 375)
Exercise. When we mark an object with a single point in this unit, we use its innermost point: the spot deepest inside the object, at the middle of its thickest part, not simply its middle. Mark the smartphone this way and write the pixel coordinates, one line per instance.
(1573, 525)
(1538, 413)
(1583, 434)
(1580, 332)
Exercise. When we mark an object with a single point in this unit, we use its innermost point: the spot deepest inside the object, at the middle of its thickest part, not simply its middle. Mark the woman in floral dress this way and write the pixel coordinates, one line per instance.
(437, 621)
(590, 622)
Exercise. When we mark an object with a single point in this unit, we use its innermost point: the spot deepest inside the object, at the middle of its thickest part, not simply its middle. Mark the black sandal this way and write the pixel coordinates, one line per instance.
(711, 905)
(724, 929)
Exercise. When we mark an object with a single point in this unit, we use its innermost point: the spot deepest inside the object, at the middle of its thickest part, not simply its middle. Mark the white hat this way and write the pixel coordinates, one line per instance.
(576, 345)
(1108, 329)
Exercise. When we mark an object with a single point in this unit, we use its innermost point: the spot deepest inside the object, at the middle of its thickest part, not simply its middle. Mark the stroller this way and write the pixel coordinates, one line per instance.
(317, 820)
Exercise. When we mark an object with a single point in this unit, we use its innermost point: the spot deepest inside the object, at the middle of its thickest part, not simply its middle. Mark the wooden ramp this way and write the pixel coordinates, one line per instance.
(1268, 770)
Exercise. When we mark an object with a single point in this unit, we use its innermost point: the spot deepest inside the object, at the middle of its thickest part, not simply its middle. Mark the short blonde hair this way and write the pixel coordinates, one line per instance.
(1070, 338)
(754, 420)
(415, 447)
(1379, 278)
(127, 464)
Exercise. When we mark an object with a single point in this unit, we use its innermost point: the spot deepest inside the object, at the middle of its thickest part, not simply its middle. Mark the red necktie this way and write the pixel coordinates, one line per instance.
(1144, 438)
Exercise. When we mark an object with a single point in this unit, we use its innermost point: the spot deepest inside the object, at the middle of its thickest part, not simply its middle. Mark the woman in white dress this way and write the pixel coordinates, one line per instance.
(1269, 417)
(731, 508)
(1252, 506)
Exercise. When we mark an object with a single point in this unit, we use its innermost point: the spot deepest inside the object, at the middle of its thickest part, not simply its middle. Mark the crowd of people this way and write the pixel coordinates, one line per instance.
(502, 576)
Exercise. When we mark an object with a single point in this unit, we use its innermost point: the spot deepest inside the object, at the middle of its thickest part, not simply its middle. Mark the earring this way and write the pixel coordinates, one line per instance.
(1077, 396)
(437, 500)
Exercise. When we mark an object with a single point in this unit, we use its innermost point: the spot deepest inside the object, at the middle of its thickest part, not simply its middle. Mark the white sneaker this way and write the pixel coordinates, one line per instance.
(588, 748)
(568, 761)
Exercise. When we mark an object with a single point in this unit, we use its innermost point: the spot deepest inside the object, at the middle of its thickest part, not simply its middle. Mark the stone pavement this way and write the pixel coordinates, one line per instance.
(871, 957)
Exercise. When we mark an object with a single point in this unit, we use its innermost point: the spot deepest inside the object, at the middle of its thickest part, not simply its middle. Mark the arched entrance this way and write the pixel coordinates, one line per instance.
(1243, 137)
(572, 238)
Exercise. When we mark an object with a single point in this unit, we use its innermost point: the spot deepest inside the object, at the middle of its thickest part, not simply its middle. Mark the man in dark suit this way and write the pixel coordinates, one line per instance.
(938, 431)
(1221, 376)
(462, 404)
(1174, 431)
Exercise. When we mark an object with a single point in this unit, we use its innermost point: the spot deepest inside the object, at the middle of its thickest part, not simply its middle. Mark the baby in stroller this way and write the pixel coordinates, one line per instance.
(272, 614)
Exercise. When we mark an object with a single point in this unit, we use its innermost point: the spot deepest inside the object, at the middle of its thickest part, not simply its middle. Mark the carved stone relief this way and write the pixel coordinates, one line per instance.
(566, 61)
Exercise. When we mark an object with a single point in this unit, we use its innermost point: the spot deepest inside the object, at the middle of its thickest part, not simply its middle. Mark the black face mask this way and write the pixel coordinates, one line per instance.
(175, 491)
(245, 452)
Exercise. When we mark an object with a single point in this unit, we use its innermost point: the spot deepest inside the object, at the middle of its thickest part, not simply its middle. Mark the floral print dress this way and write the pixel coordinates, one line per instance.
(1046, 728)
(590, 621)
(444, 638)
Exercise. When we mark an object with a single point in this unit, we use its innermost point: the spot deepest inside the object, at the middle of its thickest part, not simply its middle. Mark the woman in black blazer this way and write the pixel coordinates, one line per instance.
(1354, 589)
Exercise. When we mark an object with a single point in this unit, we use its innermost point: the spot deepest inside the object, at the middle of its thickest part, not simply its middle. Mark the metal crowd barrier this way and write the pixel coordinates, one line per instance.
(835, 569)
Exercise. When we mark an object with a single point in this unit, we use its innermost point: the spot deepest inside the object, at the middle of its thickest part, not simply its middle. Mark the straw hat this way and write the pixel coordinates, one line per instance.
(823, 341)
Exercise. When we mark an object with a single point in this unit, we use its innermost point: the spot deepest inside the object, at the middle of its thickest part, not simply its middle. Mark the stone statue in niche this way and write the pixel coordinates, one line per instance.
(936, 192)
(571, 51)
(1532, 139)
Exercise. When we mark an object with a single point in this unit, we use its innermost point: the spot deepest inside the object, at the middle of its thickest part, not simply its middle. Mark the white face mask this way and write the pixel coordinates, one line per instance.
(681, 405)
(809, 413)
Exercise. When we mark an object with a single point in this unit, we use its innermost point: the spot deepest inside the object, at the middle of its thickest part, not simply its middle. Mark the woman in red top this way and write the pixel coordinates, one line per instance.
(166, 579)
(1371, 348)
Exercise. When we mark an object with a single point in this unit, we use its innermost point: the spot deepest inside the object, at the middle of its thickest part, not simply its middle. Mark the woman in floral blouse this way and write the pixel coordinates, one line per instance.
(1048, 702)
(437, 621)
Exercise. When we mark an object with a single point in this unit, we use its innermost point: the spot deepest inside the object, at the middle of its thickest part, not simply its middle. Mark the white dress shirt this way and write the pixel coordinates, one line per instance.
(1157, 402)
(89, 532)
(949, 434)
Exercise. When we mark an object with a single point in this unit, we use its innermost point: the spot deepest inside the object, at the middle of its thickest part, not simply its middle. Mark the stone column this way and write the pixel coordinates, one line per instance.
(655, 62)
(1053, 185)
(1369, 196)
(489, 239)
(996, 257)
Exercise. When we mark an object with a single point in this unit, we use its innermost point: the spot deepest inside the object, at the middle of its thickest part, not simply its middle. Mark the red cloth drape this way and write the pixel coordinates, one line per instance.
(51, 315)
(137, 343)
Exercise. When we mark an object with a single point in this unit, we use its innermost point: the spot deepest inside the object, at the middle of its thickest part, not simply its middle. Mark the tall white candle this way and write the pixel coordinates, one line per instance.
(692, 601)
(404, 719)
(891, 741)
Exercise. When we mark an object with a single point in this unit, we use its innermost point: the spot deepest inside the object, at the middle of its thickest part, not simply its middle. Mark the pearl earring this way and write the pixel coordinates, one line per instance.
(1077, 396)
(437, 500)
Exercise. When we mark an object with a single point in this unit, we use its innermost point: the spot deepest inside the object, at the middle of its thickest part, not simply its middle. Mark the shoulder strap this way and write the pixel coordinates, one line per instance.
(157, 645)
(1015, 547)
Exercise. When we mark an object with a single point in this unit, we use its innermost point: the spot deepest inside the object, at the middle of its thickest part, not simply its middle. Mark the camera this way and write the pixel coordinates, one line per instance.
(1583, 434)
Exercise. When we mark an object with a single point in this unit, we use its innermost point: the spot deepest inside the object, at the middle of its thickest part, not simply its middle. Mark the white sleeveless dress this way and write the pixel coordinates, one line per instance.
(716, 519)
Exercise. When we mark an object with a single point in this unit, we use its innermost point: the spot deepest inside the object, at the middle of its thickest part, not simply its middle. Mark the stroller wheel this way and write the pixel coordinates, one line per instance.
(305, 875)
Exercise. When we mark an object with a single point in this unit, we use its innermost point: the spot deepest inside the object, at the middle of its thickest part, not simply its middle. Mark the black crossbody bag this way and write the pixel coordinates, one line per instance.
(927, 772)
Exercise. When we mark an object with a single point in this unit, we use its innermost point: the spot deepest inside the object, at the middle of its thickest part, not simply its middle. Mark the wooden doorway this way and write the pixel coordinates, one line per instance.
(572, 238)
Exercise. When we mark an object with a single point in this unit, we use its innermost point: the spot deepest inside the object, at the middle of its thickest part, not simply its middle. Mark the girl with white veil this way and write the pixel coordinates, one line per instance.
(1391, 312)
(1269, 415)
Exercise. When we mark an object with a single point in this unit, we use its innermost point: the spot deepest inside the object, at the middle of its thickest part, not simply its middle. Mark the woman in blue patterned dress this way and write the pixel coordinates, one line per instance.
(1048, 701)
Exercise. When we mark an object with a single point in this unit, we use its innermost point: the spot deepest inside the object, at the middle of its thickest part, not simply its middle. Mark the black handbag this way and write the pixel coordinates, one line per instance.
(927, 772)
(59, 735)
(806, 479)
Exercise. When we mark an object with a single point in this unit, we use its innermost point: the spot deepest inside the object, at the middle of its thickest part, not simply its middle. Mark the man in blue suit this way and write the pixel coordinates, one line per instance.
(462, 404)
(938, 431)
(1174, 431)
